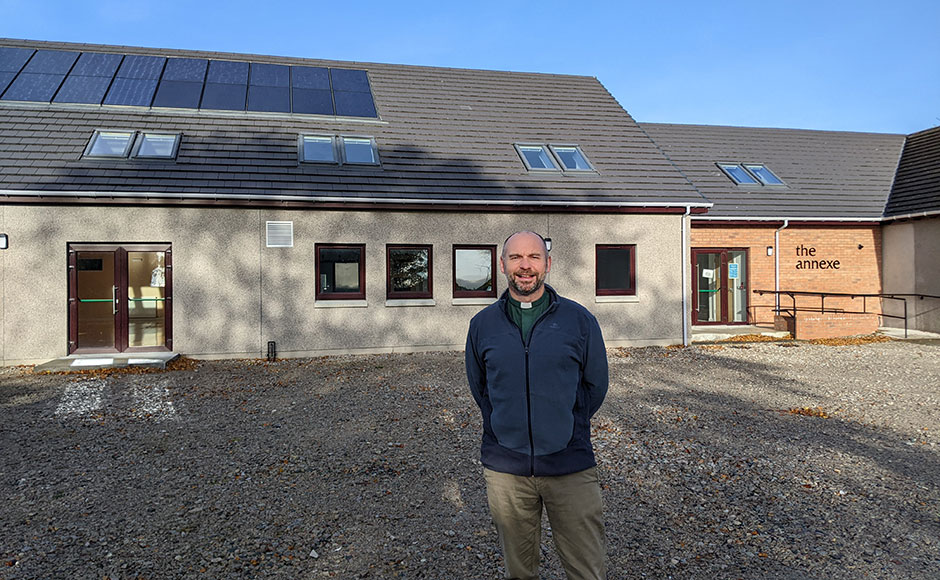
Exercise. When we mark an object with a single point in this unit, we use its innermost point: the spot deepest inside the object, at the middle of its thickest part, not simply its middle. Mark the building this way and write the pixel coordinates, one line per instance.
(212, 203)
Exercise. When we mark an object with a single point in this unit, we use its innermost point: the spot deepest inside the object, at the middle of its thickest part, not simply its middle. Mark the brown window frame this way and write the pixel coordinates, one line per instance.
(631, 291)
(399, 295)
(474, 293)
(320, 293)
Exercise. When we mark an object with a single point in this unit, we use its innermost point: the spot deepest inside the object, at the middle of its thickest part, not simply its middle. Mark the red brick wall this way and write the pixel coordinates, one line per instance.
(857, 270)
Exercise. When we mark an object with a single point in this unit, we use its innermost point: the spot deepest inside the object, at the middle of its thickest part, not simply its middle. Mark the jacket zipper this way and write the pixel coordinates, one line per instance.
(528, 397)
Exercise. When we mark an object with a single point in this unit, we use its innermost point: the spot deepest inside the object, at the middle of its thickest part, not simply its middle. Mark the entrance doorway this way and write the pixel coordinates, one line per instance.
(719, 286)
(120, 298)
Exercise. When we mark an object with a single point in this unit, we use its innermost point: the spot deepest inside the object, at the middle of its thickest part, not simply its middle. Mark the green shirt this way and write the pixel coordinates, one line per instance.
(526, 317)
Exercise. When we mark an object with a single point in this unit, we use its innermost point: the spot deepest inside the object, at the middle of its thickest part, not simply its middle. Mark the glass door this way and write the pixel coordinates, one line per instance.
(719, 286)
(119, 298)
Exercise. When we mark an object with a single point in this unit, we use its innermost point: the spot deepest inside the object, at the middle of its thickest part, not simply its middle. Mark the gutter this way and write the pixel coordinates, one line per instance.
(686, 313)
(339, 199)
(786, 222)
(785, 219)
(915, 215)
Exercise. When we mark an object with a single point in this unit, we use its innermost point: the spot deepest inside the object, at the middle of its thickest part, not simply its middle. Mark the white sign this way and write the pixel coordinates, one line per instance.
(732, 271)
(710, 274)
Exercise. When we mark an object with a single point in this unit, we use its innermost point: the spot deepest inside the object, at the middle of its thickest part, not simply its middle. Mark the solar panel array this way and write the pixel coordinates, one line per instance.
(58, 76)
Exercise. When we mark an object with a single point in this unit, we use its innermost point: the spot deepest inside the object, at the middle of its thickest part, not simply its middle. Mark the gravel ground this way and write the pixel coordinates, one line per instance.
(769, 460)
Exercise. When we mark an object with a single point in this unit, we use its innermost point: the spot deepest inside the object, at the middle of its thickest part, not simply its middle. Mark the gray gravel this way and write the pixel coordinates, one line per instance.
(735, 461)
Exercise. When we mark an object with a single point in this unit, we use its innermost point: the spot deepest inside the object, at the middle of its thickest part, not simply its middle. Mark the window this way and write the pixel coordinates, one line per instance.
(317, 149)
(341, 271)
(110, 144)
(536, 157)
(156, 146)
(360, 151)
(474, 267)
(616, 270)
(409, 272)
(766, 176)
(571, 158)
(737, 174)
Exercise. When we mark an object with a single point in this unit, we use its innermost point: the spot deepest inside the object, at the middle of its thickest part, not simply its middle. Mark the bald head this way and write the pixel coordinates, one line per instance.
(525, 234)
(525, 262)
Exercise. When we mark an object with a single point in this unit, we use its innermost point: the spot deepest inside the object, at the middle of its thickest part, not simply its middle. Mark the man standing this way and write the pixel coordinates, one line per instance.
(537, 367)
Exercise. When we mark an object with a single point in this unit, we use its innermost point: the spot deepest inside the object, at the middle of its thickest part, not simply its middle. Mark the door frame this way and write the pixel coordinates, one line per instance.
(121, 335)
(723, 283)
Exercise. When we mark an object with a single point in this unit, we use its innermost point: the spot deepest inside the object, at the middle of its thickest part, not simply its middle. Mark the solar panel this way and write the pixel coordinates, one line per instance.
(310, 77)
(350, 80)
(136, 66)
(131, 92)
(178, 94)
(5, 79)
(349, 104)
(225, 97)
(312, 101)
(83, 89)
(270, 75)
(33, 87)
(97, 64)
(52, 62)
(269, 99)
(228, 72)
(13, 59)
(185, 69)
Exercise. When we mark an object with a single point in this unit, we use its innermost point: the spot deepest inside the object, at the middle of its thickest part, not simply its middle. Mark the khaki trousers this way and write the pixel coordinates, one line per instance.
(574, 507)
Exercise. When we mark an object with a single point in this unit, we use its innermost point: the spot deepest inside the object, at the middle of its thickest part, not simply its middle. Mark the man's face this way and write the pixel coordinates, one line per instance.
(525, 264)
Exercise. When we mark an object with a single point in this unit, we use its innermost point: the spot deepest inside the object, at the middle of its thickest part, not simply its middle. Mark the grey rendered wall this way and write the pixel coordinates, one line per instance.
(215, 274)
(912, 266)
(232, 294)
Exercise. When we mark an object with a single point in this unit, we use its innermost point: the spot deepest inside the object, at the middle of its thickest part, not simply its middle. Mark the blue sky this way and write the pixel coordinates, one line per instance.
(851, 65)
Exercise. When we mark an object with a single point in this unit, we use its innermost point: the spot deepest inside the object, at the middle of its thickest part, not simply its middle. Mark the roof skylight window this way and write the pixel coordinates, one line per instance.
(737, 174)
(360, 150)
(764, 175)
(157, 145)
(110, 144)
(571, 158)
(536, 157)
(317, 149)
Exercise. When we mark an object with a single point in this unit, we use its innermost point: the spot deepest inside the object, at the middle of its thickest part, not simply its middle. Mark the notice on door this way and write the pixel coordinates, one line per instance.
(732, 271)
(710, 274)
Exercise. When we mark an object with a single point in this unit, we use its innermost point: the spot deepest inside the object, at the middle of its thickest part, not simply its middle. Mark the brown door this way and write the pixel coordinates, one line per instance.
(719, 286)
(120, 298)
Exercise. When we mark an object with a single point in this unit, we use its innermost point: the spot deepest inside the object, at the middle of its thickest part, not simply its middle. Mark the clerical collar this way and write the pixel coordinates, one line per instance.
(528, 305)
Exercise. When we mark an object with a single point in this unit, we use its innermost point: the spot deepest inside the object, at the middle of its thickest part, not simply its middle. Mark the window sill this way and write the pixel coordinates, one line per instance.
(395, 302)
(621, 299)
(472, 301)
(340, 304)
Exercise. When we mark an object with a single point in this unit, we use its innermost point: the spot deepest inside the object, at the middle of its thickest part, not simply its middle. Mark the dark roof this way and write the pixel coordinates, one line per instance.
(917, 184)
(444, 136)
(828, 174)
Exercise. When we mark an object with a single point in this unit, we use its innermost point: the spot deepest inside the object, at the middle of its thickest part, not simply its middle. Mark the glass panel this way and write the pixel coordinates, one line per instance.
(537, 157)
(33, 87)
(83, 89)
(270, 99)
(270, 75)
(178, 94)
(339, 270)
(408, 270)
(227, 72)
(319, 149)
(110, 144)
(55, 62)
(473, 270)
(737, 286)
(5, 79)
(708, 274)
(358, 150)
(738, 174)
(146, 293)
(572, 159)
(13, 59)
(185, 69)
(350, 80)
(313, 101)
(96, 64)
(152, 145)
(225, 97)
(310, 77)
(765, 175)
(131, 92)
(613, 269)
(136, 66)
(95, 293)
(351, 104)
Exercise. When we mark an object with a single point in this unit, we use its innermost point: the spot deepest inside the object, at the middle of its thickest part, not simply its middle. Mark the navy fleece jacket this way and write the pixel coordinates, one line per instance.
(537, 398)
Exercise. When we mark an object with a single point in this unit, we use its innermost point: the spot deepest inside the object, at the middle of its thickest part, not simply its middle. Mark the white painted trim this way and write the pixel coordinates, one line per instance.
(472, 301)
(614, 299)
(340, 304)
(410, 302)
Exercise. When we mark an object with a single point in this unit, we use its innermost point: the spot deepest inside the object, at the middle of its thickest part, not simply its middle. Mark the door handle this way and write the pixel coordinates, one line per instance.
(114, 305)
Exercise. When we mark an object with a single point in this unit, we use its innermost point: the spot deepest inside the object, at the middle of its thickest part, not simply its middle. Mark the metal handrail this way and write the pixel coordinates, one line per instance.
(822, 300)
